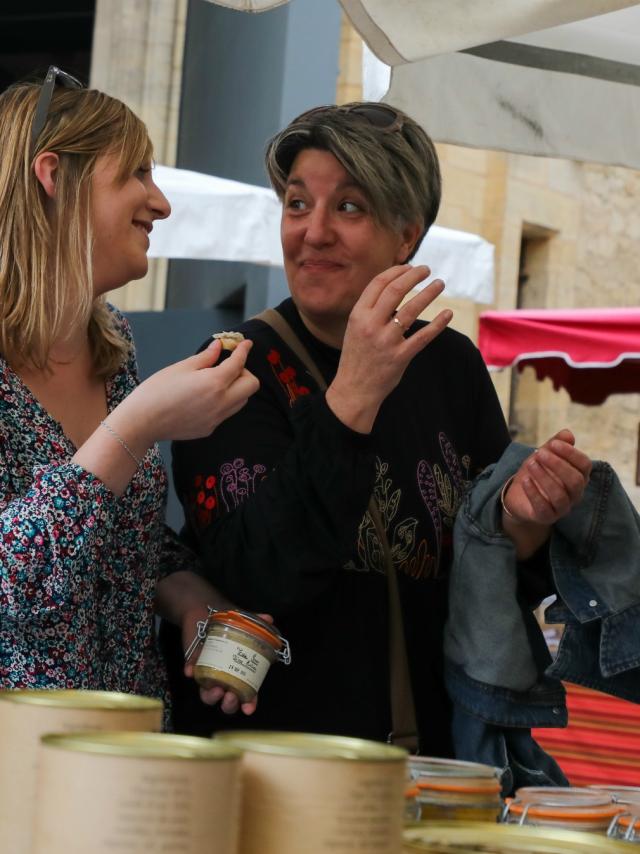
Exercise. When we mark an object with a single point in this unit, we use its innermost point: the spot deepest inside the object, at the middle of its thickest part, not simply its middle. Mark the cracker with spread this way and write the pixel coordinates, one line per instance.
(229, 340)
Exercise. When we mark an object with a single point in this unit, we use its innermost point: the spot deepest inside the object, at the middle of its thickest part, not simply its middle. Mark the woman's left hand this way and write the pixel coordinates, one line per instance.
(548, 484)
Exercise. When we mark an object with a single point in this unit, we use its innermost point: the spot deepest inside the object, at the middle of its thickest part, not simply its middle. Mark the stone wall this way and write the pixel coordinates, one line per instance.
(137, 57)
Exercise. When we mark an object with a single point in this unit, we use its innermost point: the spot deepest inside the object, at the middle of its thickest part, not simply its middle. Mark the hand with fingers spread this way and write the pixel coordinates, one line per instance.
(375, 351)
(547, 486)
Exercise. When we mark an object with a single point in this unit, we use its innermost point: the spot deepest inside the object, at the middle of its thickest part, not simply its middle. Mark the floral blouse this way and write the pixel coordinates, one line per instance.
(78, 566)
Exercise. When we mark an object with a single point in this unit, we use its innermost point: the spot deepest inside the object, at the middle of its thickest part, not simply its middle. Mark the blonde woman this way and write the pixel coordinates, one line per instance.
(82, 487)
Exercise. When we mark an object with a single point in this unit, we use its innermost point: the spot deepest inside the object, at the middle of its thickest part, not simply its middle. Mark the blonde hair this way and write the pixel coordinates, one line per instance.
(45, 244)
(397, 170)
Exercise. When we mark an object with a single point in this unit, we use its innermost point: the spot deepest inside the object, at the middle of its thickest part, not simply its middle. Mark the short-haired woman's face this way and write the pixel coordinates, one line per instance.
(122, 216)
(333, 247)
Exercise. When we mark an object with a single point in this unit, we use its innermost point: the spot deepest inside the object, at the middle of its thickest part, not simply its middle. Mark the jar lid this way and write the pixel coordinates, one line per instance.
(558, 804)
(252, 624)
(621, 794)
(78, 699)
(145, 745)
(464, 836)
(304, 745)
(431, 766)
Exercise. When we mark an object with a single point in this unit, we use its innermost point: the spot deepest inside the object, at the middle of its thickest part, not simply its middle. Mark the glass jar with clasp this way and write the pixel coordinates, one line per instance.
(571, 808)
(451, 789)
(625, 825)
(238, 648)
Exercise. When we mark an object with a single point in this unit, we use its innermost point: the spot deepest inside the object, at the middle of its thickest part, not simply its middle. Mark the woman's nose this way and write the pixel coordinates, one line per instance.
(319, 227)
(158, 202)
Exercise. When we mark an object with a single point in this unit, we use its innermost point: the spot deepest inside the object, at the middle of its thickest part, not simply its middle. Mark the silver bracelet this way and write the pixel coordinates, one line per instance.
(119, 438)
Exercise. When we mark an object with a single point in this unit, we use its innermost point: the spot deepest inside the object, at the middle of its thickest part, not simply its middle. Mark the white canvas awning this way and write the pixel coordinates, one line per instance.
(217, 219)
(559, 78)
(568, 91)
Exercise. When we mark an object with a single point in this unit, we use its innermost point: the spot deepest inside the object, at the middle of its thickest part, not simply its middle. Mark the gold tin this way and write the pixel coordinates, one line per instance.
(453, 790)
(311, 794)
(25, 715)
(136, 792)
(470, 837)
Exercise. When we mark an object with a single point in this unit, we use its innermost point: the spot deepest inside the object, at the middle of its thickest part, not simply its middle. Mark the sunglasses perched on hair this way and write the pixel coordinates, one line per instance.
(54, 75)
(381, 116)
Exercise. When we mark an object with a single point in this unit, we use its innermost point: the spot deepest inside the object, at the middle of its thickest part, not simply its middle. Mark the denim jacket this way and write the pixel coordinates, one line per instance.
(499, 673)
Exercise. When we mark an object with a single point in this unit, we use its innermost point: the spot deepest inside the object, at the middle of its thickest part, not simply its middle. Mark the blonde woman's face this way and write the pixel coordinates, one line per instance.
(122, 215)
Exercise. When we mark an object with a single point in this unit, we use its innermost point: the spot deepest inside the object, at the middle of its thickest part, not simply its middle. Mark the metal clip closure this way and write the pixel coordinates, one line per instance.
(201, 633)
(284, 654)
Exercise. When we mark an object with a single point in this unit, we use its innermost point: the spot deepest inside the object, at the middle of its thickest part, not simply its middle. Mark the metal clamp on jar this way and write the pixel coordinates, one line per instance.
(572, 808)
(454, 790)
(238, 649)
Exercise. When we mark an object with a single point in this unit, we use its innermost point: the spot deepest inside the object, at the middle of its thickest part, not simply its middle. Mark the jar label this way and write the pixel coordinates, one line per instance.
(232, 657)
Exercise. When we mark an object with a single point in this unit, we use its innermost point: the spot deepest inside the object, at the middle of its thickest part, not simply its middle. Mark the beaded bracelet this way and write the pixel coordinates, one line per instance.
(119, 438)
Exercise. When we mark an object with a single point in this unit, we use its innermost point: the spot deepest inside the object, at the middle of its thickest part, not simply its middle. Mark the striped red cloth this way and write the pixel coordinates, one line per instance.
(601, 744)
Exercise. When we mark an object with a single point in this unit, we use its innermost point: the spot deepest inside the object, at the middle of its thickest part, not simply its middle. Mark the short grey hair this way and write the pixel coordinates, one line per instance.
(396, 169)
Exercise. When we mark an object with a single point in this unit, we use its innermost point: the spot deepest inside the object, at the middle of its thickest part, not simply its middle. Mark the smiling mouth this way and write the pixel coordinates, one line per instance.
(320, 264)
(147, 227)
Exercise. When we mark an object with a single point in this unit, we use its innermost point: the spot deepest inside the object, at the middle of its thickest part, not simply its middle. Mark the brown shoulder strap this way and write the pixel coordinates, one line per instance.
(403, 717)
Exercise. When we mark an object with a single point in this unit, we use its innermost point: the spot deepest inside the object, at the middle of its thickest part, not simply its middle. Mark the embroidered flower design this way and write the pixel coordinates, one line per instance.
(204, 499)
(286, 376)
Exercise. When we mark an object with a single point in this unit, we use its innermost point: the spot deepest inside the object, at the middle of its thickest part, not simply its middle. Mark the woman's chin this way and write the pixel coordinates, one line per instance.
(102, 285)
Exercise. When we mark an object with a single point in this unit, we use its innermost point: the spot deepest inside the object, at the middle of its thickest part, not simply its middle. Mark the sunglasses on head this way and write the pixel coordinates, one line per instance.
(54, 75)
(381, 116)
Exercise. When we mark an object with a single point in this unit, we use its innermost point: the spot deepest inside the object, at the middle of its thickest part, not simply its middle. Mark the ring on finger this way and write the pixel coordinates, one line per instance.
(399, 323)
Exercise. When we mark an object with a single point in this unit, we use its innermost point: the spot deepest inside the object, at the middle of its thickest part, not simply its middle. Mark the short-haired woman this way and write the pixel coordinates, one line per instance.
(82, 487)
(277, 500)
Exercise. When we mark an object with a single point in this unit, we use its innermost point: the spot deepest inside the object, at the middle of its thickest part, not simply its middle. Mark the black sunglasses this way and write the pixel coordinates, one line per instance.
(381, 116)
(54, 75)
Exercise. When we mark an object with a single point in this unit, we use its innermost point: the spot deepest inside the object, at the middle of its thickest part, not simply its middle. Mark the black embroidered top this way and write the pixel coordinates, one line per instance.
(276, 505)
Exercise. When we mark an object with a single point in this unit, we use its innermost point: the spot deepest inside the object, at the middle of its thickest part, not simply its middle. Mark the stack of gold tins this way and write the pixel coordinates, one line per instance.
(453, 790)
(317, 794)
(27, 715)
(467, 837)
(103, 792)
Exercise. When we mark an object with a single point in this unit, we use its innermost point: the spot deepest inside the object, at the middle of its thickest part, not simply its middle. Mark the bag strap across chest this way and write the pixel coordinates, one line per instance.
(403, 717)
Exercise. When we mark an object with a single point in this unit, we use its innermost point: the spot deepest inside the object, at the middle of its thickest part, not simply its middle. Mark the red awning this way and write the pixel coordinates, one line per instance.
(591, 352)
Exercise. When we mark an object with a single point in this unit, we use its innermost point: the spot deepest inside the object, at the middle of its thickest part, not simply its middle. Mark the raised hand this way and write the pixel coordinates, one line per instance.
(375, 352)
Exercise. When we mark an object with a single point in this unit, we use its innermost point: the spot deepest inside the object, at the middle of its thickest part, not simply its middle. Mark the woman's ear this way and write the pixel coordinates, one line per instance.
(409, 236)
(46, 168)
